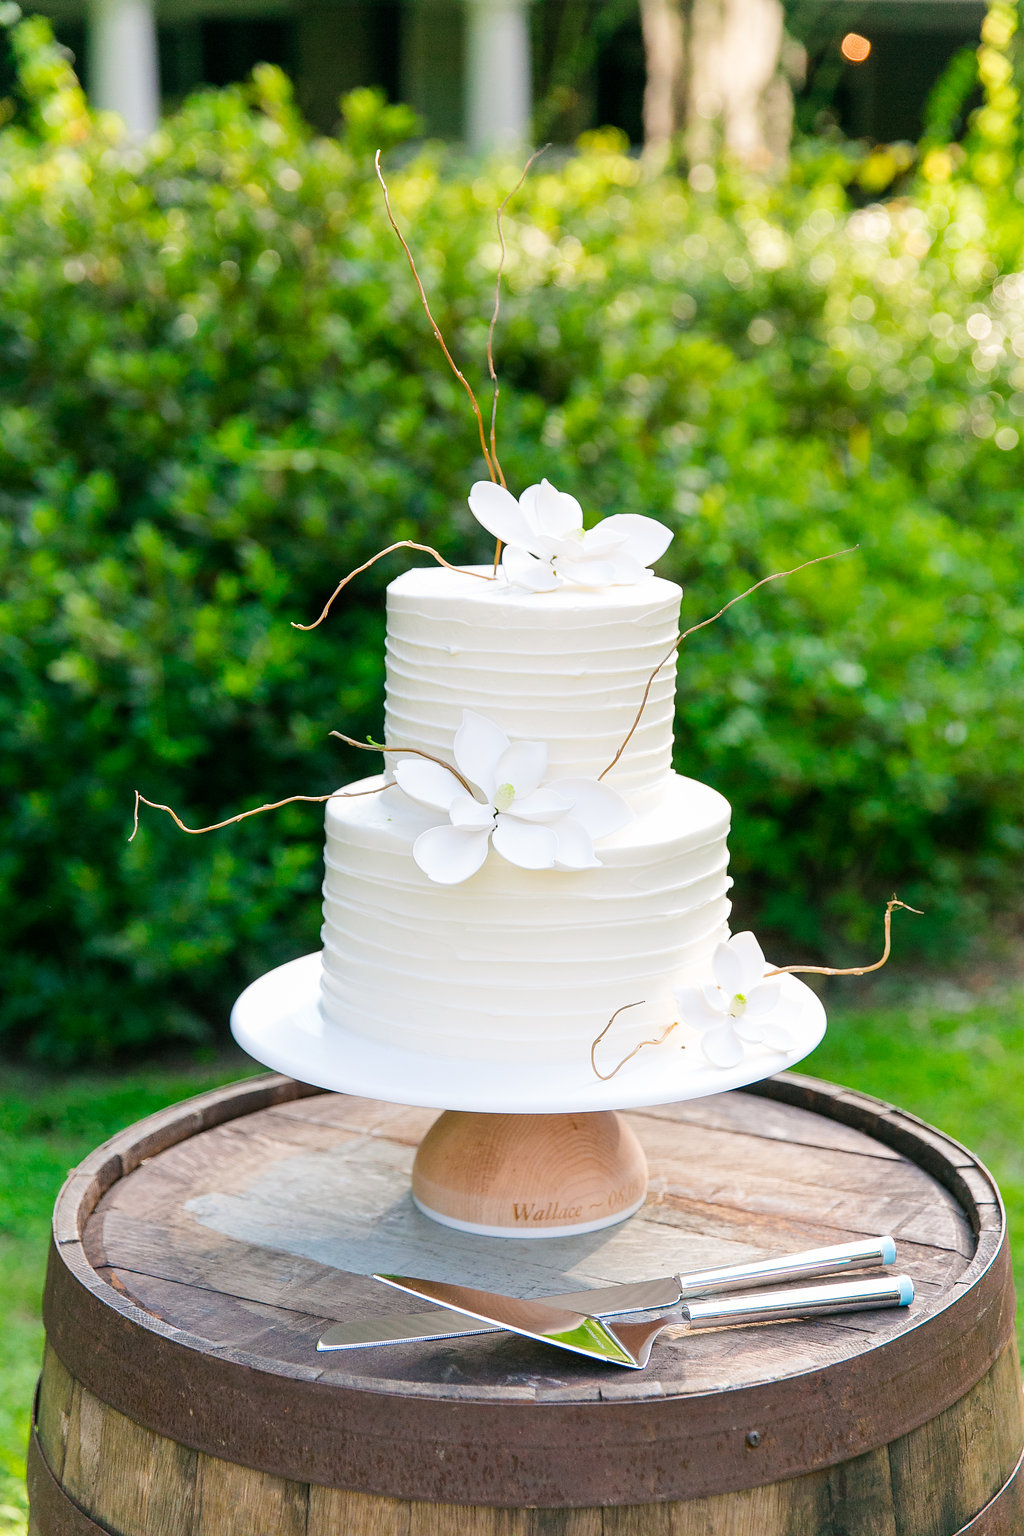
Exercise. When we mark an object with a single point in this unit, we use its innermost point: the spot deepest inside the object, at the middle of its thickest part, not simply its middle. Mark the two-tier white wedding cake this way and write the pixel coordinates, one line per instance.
(502, 908)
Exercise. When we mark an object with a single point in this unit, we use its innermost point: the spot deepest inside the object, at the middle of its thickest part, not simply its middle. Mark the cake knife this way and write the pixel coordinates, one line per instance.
(638, 1296)
(629, 1344)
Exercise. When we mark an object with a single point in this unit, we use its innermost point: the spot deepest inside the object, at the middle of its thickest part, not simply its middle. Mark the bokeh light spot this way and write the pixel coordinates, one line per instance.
(855, 48)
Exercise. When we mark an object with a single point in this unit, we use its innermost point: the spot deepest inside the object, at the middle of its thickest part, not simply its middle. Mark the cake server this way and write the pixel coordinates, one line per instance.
(638, 1296)
(629, 1344)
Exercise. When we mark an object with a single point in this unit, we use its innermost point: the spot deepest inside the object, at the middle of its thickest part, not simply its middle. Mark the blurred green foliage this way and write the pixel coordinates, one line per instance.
(218, 394)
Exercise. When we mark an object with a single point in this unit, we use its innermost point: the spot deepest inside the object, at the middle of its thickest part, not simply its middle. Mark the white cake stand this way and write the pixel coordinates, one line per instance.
(524, 1149)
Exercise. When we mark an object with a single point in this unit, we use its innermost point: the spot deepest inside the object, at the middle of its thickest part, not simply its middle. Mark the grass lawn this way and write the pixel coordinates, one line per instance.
(46, 1126)
(953, 1060)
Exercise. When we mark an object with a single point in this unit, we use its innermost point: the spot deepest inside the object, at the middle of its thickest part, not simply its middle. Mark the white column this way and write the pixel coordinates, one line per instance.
(123, 66)
(497, 74)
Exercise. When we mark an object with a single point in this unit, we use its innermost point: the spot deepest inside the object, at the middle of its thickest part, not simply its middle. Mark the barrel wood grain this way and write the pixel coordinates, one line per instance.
(927, 1483)
(198, 1257)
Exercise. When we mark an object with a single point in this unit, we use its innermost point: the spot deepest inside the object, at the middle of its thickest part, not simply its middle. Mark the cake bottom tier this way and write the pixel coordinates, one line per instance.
(515, 962)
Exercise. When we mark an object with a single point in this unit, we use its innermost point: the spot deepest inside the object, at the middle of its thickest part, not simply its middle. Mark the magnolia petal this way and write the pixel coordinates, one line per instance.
(545, 804)
(694, 1008)
(646, 539)
(522, 765)
(751, 1030)
(554, 513)
(600, 808)
(722, 1046)
(628, 571)
(525, 570)
(739, 964)
(752, 957)
(764, 999)
(497, 510)
(587, 573)
(469, 815)
(479, 743)
(429, 783)
(603, 538)
(777, 1036)
(449, 855)
(527, 844)
(575, 845)
(562, 538)
(727, 970)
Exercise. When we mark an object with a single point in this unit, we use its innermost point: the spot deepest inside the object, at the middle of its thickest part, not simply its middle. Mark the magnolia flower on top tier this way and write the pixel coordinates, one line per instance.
(546, 544)
(741, 1008)
(531, 824)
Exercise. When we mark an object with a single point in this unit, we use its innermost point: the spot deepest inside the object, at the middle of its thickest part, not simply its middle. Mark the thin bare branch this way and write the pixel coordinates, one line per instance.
(607, 1076)
(494, 317)
(433, 323)
(775, 576)
(852, 970)
(375, 746)
(782, 970)
(424, 549)
(643, 706)
(339, 794)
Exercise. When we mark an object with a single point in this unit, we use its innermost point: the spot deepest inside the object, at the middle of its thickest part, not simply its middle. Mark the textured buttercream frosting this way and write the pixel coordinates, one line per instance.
(520, 964)
(567, 668)
(514, 963)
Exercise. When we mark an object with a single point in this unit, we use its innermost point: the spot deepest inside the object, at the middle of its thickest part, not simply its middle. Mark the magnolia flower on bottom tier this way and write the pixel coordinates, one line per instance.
(740, 1009)
(547, 545)
(529, 823)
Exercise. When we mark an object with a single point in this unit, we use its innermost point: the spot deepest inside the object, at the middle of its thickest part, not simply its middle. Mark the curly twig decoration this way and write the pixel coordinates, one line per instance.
(433, 323)
(338, 794)
(782, 970)
(494, 321)
(607, 1076)
(377, 746)
(424, 549)
(497, 306)
(853, 970)
(775, 576)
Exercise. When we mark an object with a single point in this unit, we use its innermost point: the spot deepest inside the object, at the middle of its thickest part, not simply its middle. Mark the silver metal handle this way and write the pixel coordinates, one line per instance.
(842, 1259)
(805, 1301)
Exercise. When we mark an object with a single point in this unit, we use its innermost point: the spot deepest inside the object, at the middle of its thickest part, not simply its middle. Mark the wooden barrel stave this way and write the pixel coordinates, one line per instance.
(130, 1479)
(932, 1480)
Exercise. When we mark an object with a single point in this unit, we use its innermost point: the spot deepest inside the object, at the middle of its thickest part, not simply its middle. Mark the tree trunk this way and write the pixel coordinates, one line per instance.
(662, 23)
(717, 76)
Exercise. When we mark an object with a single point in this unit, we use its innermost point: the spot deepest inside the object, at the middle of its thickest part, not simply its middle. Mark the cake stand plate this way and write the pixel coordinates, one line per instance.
(277, 1020)
(526, 1149)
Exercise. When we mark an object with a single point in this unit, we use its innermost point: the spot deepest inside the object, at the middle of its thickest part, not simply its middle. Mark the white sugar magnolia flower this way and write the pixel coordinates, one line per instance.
(740, 1008)
(546, 544)
(531, 824)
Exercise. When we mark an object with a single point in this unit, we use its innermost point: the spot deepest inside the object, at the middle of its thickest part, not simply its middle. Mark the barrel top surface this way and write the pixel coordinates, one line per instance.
(252, 1236)
(199, 1256)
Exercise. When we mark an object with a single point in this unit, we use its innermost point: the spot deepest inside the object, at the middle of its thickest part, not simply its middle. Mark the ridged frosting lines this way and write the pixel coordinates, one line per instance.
(516, 959)
(566, 668)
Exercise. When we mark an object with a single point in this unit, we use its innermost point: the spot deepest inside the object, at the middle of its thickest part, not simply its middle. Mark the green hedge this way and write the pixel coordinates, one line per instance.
(218, 394)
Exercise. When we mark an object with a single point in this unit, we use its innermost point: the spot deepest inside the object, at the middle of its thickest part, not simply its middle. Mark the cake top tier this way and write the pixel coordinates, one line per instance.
(567, 668)
(499, 596)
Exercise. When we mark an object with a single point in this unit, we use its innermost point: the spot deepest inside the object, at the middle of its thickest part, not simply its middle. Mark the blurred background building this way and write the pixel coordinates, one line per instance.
(492, 71)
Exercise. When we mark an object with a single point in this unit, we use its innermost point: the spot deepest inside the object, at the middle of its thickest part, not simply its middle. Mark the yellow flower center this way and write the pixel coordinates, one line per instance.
(503, 796)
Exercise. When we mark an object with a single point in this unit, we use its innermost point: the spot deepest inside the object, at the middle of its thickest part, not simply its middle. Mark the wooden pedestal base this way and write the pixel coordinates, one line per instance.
(529, 1175)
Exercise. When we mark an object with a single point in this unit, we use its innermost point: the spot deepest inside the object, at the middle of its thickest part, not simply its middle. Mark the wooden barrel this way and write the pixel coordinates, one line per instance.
(198, 1256)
